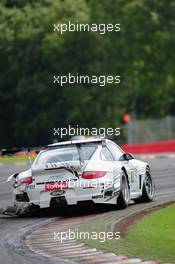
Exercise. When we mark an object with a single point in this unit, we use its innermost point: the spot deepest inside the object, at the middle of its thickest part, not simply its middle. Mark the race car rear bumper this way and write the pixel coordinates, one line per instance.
(70, 197)
(44, 197)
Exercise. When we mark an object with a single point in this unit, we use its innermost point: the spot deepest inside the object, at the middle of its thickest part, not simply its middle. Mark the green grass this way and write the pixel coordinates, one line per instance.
(12, 159)
(152, 238)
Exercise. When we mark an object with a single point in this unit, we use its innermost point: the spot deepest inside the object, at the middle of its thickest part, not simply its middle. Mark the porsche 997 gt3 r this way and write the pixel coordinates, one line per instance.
(71, 172)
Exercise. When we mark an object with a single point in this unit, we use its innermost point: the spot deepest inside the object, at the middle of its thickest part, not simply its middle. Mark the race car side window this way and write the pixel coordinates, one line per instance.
(106, 155)
(115, 150)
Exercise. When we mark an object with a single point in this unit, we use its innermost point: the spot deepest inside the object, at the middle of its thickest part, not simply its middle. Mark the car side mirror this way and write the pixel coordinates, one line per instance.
(126, 157)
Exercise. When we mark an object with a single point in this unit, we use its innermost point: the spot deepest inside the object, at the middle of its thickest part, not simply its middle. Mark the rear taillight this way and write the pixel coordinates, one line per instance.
(27, 180)
(93, 174)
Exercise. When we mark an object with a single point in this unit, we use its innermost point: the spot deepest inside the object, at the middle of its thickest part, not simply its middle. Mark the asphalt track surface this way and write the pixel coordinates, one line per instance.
(12, 250)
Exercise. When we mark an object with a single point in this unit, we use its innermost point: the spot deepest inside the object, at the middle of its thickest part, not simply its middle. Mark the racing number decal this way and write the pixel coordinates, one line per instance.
(132, 175)
(134, 180)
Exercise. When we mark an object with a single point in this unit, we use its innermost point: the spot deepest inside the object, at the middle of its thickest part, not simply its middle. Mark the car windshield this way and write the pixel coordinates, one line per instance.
(66, 153)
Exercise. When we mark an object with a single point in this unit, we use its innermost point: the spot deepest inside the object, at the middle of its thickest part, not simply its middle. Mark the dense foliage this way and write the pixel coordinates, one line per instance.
(30, 53)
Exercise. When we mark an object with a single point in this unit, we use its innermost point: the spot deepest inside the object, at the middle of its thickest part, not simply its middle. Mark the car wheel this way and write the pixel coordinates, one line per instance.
(124, 196)
(148, 189)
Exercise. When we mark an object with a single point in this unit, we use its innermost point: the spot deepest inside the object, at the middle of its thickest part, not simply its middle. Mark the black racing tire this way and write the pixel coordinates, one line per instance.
(148, 189)
(124, 196)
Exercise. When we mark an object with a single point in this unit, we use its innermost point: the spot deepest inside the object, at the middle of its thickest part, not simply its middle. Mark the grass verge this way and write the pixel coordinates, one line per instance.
(13, 159)
(152, 238)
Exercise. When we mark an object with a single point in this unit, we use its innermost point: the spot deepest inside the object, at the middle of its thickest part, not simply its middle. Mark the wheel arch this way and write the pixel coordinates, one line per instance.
(148, 168)
(125, 171)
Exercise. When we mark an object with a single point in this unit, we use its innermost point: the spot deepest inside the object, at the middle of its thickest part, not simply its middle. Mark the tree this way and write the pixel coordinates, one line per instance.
(142, 53)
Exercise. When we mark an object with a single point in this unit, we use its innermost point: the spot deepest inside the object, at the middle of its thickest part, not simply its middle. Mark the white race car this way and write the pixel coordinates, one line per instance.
(72, 172)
